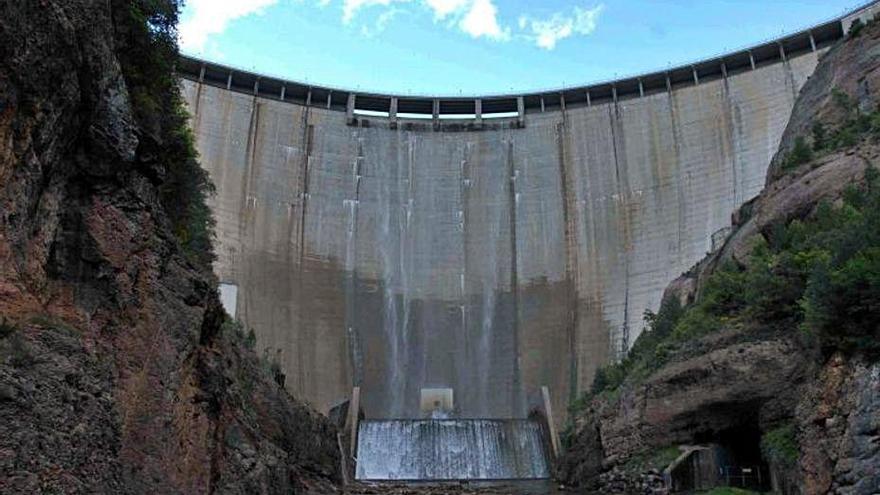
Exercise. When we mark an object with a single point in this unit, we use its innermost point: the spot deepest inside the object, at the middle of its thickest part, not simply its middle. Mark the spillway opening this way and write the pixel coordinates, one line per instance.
(451, 450)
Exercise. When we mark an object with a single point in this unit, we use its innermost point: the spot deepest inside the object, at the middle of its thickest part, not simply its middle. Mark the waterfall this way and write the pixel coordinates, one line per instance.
(450, 450)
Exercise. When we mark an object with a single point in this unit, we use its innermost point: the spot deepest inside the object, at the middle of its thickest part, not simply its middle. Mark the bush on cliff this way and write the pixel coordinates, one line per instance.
(648, 353)
(841, 304)
(780, 445)
(856, 29)
(800, 154)
(6, 328)
(828, 137)
(821, 274)
(147, 36)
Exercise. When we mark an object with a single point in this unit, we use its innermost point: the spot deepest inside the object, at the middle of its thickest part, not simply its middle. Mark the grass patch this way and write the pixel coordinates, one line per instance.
(658, 459)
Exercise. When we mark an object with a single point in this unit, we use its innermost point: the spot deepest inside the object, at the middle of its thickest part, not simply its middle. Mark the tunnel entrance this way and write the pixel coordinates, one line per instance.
(739, 458)
(730, 457)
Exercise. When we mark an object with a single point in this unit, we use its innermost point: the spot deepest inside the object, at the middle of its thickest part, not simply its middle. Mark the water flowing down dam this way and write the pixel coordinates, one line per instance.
(435, 450)
(488, 245)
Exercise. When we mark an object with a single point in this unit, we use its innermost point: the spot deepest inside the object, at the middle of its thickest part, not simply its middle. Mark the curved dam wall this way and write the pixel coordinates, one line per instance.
(492, 259)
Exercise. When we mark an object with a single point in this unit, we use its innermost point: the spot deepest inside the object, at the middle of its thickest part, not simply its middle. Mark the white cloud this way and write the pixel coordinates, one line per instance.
(381, 23)
(443, 8)
(477, 18)
(546, 33)
(350, 7)
(212, 16)
(482, 20)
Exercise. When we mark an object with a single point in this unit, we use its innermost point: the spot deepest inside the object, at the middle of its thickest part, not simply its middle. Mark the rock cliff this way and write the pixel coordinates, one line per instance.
(118, 370)
(741, 381)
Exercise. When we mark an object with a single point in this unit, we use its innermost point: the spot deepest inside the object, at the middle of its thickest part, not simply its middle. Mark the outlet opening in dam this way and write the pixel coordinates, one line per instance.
(476, 257)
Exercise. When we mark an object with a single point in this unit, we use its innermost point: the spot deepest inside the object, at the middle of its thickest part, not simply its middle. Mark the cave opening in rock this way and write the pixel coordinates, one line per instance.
(737, 456)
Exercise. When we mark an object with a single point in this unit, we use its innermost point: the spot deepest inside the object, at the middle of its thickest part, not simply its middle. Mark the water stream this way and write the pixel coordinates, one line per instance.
(477, 449)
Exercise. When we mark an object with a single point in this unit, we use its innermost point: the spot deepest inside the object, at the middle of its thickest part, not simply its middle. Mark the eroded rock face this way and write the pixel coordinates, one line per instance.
(840, 419)
(115, 373)
(726, 381)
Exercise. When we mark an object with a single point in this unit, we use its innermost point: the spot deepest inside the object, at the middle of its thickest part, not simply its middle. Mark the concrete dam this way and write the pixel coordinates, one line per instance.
(489, 245)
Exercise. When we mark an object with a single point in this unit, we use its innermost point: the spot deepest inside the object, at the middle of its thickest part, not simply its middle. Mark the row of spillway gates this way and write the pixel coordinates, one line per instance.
(444, 449)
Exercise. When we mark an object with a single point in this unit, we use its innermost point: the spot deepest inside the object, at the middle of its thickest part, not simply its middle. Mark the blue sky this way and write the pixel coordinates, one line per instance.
(470, 47)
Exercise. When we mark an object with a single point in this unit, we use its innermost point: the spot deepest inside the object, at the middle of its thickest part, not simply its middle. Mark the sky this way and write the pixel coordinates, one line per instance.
(480, 47)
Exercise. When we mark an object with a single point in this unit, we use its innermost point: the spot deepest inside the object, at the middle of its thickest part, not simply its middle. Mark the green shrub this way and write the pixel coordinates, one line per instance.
(826, 137)
(780, 446)
(251, 340)
(843, 101)
(6, 328)
(659, 325)
(247, 338)
(820, 136)
(856, 29)
(648, 353)
(277, 373)
(21, 355)
(821, 273)
(658, 459)
(845, 138)
(842, 304)
(696, 323)
(800, 154)
(875, 123)
(609, 377)
(237, 332)
(15, 350)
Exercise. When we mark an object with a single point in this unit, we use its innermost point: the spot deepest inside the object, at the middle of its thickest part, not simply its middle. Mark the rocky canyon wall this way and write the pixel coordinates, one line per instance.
(117, 372)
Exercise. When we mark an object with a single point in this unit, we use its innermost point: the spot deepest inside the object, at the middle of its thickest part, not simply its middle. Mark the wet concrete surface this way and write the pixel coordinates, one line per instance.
(492, 261)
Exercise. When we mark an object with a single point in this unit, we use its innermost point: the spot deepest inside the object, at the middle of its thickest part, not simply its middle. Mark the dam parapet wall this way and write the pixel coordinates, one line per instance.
(438, 247)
